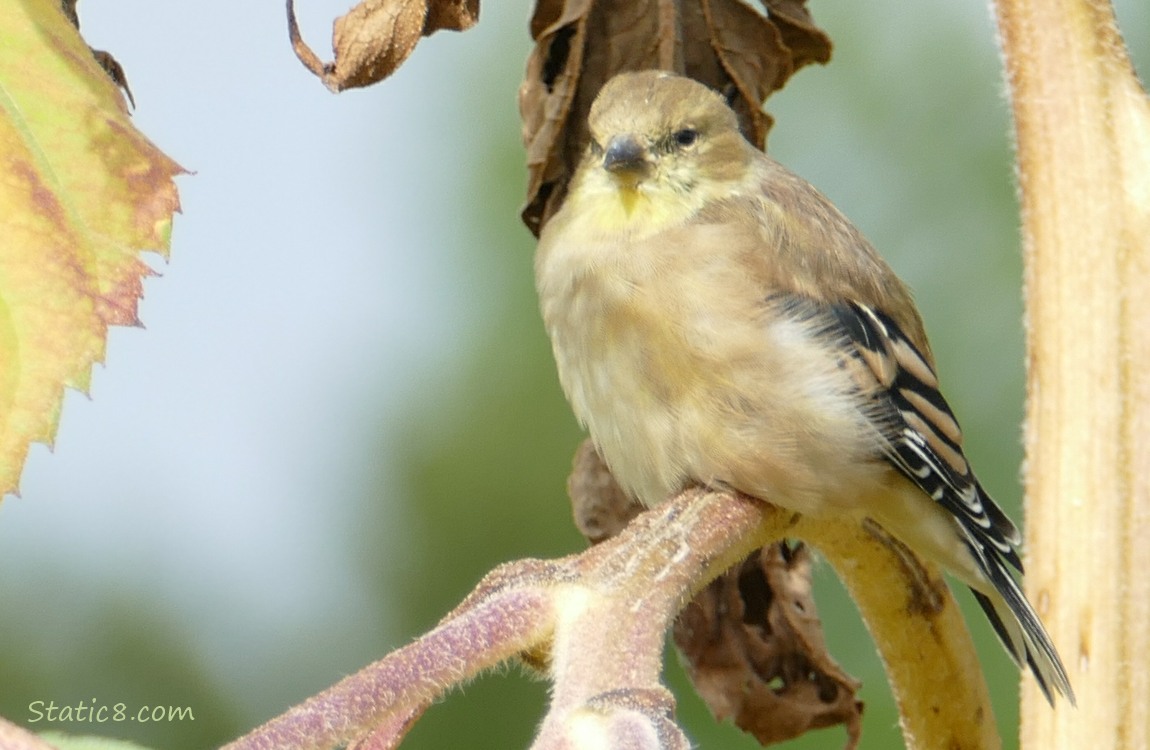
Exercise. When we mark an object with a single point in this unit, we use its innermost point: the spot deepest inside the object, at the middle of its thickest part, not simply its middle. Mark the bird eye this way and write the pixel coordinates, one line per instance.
(596, 149)
(686, 137)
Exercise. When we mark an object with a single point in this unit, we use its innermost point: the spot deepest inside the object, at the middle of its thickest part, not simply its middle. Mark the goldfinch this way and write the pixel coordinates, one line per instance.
(715, 320)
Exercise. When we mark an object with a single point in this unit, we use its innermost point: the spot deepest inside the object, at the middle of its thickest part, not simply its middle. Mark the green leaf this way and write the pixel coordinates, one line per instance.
(61, 741)
(82, 193)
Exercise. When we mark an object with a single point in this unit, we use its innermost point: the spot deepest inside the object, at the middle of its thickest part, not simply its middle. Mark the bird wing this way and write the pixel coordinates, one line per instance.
(812, 256)
(924, 440)
(925, 445)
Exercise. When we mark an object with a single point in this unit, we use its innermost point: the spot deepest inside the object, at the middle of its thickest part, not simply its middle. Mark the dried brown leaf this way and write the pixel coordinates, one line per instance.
(806, 41)
(545, 97)
(581, 44)
(547, 13)
(600, 505)
(451, 15)
(754, 649)
(375, 37)
(753, 58)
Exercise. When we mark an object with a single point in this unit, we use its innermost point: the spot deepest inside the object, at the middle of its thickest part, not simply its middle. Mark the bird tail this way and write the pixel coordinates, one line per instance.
(1020, 630)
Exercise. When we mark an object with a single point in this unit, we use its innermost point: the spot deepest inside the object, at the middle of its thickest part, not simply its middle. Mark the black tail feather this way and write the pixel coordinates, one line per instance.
(1023, 635)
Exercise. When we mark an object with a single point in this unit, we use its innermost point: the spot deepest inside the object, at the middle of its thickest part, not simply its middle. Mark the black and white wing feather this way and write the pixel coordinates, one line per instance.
(924, 442)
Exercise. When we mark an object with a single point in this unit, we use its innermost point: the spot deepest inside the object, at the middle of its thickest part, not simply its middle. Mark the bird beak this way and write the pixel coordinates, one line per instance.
(625, 156)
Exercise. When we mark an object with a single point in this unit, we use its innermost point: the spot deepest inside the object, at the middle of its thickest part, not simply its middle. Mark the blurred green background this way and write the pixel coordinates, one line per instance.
(460, 449)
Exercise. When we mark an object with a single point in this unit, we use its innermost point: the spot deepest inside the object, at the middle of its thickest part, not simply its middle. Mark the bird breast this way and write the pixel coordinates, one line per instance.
(673, 358)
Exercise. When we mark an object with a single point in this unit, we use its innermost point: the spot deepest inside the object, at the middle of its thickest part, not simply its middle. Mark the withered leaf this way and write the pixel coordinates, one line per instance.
(754, 649)
(806, 41)
(753, 58)
(580, 44)
(545, 99)
(600, 505)
(451, 15)
(375, 37)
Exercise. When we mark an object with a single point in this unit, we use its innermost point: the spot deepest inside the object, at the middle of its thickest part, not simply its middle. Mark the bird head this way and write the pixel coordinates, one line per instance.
(662, 135)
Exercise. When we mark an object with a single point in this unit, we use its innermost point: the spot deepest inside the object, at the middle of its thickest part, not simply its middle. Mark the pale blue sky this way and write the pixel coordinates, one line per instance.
(313, 286)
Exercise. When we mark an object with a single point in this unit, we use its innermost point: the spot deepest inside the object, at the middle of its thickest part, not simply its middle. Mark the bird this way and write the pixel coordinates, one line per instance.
(715, 320)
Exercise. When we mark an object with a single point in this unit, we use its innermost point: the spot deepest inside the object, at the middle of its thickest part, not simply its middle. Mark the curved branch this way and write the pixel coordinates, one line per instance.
(920, 633)
(601, 618)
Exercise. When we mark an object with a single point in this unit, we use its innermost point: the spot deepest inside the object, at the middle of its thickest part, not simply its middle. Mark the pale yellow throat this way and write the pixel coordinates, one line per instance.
(640, 207)
(629, 198)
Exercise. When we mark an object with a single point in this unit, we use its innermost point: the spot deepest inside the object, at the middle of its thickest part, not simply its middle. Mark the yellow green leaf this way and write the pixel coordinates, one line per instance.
(61, 741)
(82, 193)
